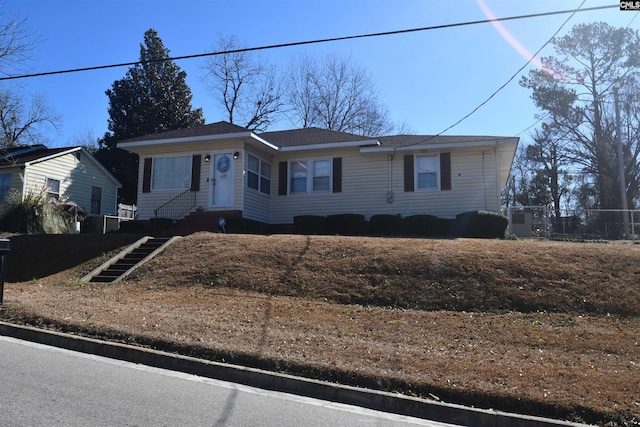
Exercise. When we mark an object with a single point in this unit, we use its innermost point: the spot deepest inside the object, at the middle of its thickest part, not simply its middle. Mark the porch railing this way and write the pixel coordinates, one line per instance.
(178, 206)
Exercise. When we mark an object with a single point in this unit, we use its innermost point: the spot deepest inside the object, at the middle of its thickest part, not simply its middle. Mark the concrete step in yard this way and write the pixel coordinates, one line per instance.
(128, 260)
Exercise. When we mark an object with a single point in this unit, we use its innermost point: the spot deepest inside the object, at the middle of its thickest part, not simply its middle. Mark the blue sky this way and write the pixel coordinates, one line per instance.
(428, 79)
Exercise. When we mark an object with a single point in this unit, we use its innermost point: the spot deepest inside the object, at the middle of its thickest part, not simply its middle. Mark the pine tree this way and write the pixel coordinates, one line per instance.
(153, 97)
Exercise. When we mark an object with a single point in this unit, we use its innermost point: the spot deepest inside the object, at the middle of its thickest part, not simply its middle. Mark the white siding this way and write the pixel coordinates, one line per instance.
(257, 205)
(76, 180)
(365, 183)
(148, 202)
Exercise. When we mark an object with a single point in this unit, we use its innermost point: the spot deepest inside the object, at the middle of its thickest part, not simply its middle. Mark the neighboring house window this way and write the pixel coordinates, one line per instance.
(5, 185)
(427, 171)
(53, 188)
(171, 173)
(96, 199)
(258, 174)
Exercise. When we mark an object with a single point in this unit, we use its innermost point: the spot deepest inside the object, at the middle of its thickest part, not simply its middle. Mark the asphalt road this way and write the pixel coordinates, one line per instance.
(49, 386)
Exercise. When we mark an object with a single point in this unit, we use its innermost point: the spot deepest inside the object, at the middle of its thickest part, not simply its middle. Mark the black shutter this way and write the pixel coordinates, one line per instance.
(282, 179)
(445, 171)
(146, 177)
(195, 172)
(337, 174)
(408, 173)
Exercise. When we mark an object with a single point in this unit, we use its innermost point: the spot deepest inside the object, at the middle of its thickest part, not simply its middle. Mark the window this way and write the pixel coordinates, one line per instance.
(5, 185)
(427, 171)
(298, 177)
(321, 175)
(171, 173)
(53, 188)
(258, 174)
(96, 199)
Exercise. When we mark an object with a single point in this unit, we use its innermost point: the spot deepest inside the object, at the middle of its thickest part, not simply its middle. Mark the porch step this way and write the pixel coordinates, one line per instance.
(199, 221)
(128, 260)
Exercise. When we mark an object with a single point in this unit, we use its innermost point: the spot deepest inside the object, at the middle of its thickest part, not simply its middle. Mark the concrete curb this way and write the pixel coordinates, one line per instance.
(377, 400)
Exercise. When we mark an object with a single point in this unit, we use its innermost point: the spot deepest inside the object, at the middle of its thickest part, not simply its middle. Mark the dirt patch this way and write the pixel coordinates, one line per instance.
(543, 328)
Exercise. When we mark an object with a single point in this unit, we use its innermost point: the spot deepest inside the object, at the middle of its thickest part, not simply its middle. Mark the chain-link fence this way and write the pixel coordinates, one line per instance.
(596, 224)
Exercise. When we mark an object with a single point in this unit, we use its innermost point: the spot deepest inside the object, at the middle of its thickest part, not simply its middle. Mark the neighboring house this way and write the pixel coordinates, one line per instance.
(69, 174)
(274, 176)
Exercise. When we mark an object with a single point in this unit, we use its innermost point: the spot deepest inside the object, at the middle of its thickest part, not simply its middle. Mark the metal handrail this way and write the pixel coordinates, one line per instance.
(178, 206)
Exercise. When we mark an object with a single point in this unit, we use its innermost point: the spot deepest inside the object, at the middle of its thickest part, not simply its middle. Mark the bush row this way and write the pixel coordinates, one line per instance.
(480, 224)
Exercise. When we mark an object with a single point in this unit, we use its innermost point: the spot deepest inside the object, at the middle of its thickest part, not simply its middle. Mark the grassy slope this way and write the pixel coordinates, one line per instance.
(538, 327)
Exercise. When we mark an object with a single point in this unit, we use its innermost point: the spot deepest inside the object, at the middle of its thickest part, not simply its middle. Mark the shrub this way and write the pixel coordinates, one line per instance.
(386, 225)
(422, 225)
(481, 224)
(346, 224)
(34, 214)
(244, 225)
(310, 224)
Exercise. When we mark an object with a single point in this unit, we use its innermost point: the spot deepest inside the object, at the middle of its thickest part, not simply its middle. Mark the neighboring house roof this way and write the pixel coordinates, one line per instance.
(25, 156)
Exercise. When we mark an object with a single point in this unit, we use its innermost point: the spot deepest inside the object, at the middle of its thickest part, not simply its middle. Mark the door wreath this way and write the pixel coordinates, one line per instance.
(223, 165)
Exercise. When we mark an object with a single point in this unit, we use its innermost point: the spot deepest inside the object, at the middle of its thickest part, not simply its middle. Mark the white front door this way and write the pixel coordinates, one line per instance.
(222, 180)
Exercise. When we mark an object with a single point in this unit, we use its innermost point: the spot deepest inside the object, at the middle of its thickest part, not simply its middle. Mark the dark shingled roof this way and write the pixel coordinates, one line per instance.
(408, 140)
(218, 128)
(310, 136)
(20, 155)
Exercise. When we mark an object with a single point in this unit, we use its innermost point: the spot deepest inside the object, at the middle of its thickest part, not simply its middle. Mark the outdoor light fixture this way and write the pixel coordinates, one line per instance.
(207, 158)
(235, 155)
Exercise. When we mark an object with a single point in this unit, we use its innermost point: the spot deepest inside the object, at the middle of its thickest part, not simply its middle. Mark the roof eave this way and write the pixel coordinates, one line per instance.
(131, 146)
(441, 146)
(331, 145)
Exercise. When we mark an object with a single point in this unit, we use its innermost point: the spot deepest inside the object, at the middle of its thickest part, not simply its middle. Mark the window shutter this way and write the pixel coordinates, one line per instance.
(445, 171)
(408, 173)
(146, 177)
(195, 172)
(282, 179)
(337, 174)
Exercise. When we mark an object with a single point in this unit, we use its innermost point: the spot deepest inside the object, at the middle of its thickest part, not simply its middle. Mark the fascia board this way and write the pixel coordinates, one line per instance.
(53, 156)
(152, 142)
(430, 147)
(330, 145)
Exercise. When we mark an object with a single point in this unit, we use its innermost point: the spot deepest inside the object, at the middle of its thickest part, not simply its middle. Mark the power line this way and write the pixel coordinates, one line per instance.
(507, 82)
(302, 43)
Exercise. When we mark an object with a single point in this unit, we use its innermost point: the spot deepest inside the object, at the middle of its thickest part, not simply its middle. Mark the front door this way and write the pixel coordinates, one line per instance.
(222, 180)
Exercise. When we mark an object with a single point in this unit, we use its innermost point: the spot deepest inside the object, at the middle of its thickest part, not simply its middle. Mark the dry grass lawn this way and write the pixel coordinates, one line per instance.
(545, 328)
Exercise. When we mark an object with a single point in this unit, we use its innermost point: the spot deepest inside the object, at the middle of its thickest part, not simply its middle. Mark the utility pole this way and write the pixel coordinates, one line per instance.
(623, 184)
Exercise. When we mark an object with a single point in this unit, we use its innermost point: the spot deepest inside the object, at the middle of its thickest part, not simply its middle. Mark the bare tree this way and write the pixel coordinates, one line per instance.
(24, 118)
(86, 139)
(16, 41)
(21, 125)
(245, 85)
(335, 94)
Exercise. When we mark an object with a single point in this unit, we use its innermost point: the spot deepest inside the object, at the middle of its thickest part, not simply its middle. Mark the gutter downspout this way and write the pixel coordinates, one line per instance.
(390, 158)
(498, 205)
